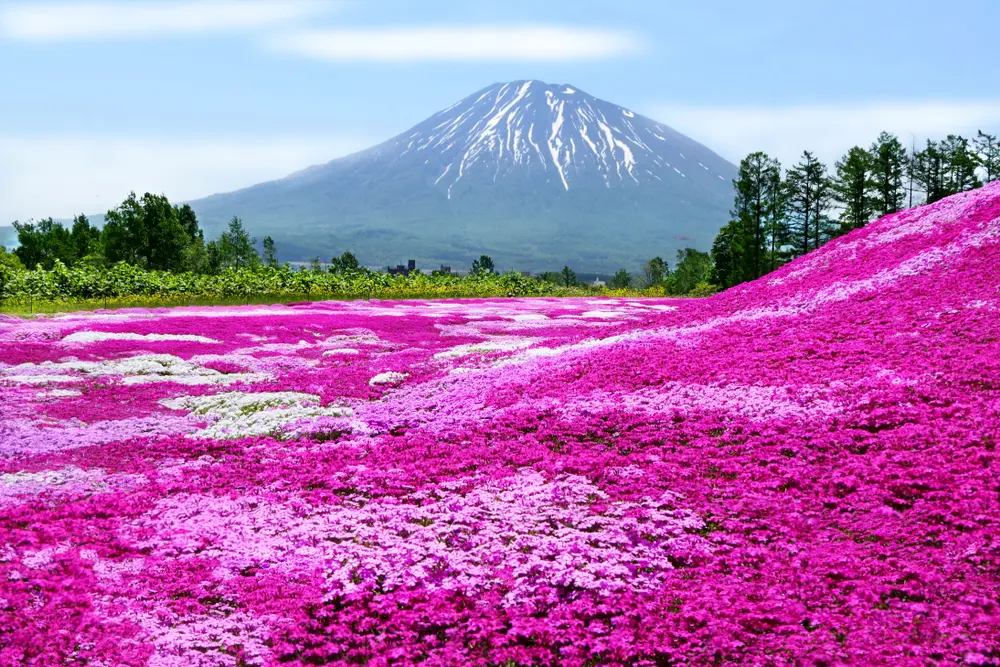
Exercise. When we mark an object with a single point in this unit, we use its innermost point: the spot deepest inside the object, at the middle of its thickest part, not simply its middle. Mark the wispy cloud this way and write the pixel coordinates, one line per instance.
(827, 130)
(459, 43)
(51, 21)
(62, 176)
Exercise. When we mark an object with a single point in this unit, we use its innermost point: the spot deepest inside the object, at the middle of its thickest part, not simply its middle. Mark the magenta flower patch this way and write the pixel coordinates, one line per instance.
(802, 470)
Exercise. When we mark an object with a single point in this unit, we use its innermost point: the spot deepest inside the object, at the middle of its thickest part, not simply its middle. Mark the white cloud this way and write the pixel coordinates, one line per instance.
(61, 177)
(92, 20)
(459, 43)
(826, 130)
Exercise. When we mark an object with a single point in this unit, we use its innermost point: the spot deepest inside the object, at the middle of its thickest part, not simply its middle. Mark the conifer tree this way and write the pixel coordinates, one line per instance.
(888, 169)
(988, 155)
(962, 164)
(270, 253)
(927, 168)
(807, 189)
(852, 186)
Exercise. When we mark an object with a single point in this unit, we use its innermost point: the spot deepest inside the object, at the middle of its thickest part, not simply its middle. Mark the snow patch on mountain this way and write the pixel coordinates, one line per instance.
(555, 128)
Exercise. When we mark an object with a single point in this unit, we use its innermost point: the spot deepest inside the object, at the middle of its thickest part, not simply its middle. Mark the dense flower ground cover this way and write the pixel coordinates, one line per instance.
(802, 470)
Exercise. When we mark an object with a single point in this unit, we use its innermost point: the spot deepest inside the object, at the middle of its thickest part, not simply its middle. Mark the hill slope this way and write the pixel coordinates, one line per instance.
(534, 174)
(799, 471)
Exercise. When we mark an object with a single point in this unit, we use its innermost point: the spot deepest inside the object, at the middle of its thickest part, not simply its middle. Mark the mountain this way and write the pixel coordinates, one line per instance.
(8, 237)
(536, 175)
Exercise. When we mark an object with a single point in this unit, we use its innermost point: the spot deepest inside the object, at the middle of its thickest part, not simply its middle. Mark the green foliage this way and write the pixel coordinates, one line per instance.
(270, 253)
(123, 284)
(809, 193)
(852, 187)
(148, 232)
(346, 262)
(9, 260)
(621, 280)
(44, 243)
(888, 168)
(654, 271)
(988, 155)
(86, 239)
(483, 265)
(236, 247)
(568, 277)
(725, 251)
(945, 168)
(693, 268)
(758, 207)
(703, 289)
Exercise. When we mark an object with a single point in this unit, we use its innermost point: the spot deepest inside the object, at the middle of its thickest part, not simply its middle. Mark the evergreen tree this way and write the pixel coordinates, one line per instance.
(724, 254)
(928, 169)
(808, 193)
(621, 280)
(945, 168)
(568, 276)
(888, 169)
(270, 255)
(988, 155)
(213, 253)
(236, 247)
(962, 164)
(852, 187)
(778, 230)
(758, 200)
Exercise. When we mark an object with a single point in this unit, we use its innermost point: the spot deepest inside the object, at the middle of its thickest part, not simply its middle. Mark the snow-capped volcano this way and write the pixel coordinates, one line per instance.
(535, 174)
(526, 126)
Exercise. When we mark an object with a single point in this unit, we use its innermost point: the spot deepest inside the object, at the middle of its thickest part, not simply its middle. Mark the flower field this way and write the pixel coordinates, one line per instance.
(802, 470)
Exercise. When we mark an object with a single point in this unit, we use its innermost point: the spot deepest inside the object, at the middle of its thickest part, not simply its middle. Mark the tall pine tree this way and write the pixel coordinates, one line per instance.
(962, 164)
(928, 169)
(808, 195)
(758, 198)
(851, 187)
(888, 169)
(988, 155)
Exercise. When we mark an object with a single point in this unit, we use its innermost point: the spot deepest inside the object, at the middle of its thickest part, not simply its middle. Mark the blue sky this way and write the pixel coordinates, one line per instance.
(191, 98)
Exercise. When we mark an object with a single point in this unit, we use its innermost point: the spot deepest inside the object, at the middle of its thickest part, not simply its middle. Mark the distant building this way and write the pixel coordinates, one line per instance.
(598, 283)
(445, 270)
(401, 270)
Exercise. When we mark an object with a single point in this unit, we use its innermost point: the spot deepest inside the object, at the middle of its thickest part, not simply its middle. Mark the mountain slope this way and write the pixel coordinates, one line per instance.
(535, 174)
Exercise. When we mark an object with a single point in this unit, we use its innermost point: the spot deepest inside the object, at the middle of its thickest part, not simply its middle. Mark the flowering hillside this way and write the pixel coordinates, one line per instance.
(802, 470)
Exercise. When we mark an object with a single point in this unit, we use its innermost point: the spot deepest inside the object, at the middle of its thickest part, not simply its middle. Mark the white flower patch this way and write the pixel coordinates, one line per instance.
(389, 377)
(59, 393)
(99, 336)
(494, 345)
(239, 415)
(604, 314)
(19, 486)
(355, 335)
(40, 379)
(340, 351)
(140, 369)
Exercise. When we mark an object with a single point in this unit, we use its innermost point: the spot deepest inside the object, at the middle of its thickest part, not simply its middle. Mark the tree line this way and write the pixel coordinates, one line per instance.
(778, 215)
(147, 232)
